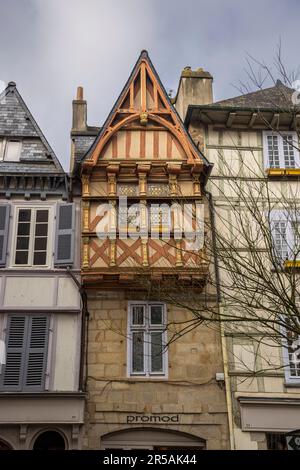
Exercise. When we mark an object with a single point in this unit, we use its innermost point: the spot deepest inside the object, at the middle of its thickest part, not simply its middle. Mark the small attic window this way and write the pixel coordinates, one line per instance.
(13, 150)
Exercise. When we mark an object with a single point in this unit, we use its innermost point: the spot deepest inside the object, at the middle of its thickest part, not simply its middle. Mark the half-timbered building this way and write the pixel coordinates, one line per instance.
(142, 391)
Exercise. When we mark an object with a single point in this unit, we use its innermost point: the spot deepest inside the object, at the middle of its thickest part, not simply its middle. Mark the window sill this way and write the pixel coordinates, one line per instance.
(283, 171)
(295, 384)
(292, 264)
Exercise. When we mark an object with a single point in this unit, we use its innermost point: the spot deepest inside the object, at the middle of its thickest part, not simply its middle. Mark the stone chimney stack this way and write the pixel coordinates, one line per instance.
(195, 87)
(79, 112)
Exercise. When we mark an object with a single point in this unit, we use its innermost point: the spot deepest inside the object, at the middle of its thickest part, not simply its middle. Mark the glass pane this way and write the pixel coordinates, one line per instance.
(138, 351)
(23, 228)
(42, 216)
(21, 257)
(156, 313)
(138, 315)
(22, 243)
(40, 244)
(24, 215)
(273, 151)
(288, 151)
(156, 352)
(41, 230)
(39, 258)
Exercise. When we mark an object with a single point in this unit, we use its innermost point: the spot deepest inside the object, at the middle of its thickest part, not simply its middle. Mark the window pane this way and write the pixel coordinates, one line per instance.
(138, 315)
(23, 228)
(39, 258)
(288, 151)
(41, 230)
(21, 257)
(273, 151)
(156, 315)
(42, 216)
(40, 244)
(156, 352)
(24, 215)
(280, 240)
(22, 243)
(138, 351)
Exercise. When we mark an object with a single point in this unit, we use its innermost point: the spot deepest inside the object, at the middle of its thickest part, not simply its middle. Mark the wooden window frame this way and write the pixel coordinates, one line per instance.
(280, 136)
(49, 251)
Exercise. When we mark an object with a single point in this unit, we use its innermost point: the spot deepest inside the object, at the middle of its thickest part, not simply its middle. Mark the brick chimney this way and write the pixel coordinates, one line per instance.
(195, 87)
(79, 112)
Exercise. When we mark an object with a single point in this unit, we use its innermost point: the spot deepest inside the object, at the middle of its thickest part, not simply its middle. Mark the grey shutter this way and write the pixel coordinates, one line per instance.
(15, 352)
(36, 353)
(65, 232)
(4, 225)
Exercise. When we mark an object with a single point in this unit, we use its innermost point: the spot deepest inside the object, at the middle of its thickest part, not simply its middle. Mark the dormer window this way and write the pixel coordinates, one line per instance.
(281, 150)
(12, 150)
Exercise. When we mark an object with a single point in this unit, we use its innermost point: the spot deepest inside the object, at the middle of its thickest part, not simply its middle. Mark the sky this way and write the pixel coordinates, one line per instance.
(49, 47)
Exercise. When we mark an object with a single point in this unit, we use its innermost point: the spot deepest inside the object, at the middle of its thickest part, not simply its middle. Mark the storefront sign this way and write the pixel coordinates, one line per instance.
(153, 419)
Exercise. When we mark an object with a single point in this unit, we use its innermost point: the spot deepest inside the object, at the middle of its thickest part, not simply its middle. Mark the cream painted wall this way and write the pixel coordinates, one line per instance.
(65, 357)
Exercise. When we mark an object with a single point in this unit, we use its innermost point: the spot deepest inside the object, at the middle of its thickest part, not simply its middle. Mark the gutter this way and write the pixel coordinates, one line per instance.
(222, 332)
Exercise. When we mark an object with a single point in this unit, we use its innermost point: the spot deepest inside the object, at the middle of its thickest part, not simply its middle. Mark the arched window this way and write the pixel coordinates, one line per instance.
(49, 440)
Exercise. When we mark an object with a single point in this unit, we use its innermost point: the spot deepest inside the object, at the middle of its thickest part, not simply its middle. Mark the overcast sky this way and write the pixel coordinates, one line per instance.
(49, 47)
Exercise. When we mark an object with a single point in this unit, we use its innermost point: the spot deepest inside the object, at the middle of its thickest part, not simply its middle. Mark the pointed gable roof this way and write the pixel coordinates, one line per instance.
(126, 111)
(16, 121)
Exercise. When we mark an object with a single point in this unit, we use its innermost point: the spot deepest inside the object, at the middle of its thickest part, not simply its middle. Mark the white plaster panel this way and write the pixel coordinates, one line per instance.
(29, 292)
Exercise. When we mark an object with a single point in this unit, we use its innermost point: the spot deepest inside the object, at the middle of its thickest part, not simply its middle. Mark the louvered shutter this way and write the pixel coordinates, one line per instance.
(4, 225)
(15, 352)
(36, 353)
(65, 231)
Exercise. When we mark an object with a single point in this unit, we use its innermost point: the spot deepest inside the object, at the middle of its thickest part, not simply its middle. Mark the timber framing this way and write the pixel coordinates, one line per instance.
(143, 148)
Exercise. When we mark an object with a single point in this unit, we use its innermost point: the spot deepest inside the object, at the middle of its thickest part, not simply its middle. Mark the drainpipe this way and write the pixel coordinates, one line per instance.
(84, 334)
(220, 308)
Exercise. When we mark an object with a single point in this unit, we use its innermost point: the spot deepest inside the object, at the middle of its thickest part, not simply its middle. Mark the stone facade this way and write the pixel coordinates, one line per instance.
(190, 394)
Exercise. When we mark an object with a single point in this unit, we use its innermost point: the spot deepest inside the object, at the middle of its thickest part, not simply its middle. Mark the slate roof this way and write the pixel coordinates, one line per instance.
(275, 97)
(17, 121)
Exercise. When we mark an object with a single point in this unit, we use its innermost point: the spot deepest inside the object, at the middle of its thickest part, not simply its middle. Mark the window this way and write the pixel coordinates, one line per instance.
(31, 237)
(26, 353)
(147, 351)
(12, 150)
(293, 351)
(281, 150)
(286, 235)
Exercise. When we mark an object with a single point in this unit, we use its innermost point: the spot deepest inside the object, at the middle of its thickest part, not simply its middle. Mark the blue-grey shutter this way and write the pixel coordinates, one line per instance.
(12, 375)
(36, 353)
(65, 232)
(4, 226)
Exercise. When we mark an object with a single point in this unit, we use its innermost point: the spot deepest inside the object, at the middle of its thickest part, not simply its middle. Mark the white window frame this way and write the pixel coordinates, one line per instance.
(147, 329)
(31, 238)
(283, 216)
(280, 136)
(289, 379)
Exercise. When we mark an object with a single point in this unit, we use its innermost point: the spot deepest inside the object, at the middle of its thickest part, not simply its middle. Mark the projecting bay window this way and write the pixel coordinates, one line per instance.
(281, 150)
(147, 339)
(27, 338)
(31, 247)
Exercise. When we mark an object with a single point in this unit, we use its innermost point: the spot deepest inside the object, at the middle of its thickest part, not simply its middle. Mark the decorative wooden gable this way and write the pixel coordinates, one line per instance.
(143, 124)
(142, 152)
